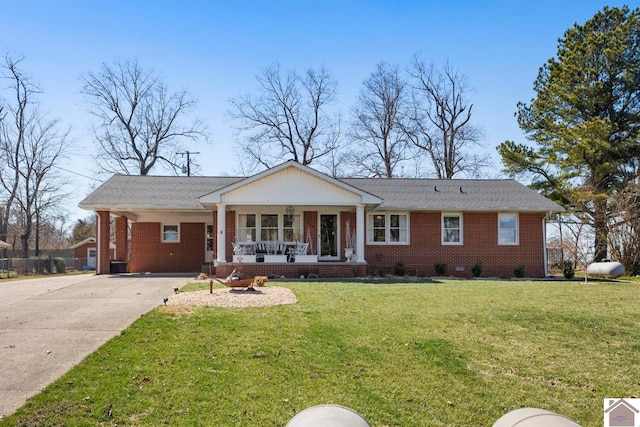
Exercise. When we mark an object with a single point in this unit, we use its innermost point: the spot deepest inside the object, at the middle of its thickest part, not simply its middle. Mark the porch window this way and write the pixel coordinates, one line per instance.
(508, 229)
(268, 227)
(452, 229)
(246, 228)
(170, 233)
(292, 229)
(388, 228)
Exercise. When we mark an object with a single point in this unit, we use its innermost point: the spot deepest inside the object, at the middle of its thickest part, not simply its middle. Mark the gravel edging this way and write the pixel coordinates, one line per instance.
(261, 297)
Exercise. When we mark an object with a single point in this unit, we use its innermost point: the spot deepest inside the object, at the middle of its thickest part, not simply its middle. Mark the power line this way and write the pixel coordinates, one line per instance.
(79, 174)
(188, 168)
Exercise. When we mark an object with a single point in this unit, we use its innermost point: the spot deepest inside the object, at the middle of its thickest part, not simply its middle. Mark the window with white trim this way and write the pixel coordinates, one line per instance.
(388, 228)
(246, 228)
(269, 227)
(452, 229)
(170, 233)
(291, 228)
(398, 228)
(264, 227)
(508, 232)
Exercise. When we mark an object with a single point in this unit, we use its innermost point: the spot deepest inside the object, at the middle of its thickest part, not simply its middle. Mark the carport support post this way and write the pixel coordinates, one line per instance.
(122, 238)
(102, 242)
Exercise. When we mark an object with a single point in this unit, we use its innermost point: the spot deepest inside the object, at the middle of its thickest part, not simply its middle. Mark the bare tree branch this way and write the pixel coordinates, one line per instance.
(30, 146)
(381, 142)
(138, 121)
(287, 119)
(439, 120)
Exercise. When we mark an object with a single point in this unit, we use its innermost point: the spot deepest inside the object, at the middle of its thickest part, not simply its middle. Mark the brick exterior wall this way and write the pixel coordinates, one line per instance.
(480, 238)
(310, 227)
(122, 238)
(103, 236)
(149, 253)
(480, 242)
(231, 234)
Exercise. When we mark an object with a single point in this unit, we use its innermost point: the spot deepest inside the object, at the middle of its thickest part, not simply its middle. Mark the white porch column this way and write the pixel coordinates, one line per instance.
(221, 238)
(360, 237)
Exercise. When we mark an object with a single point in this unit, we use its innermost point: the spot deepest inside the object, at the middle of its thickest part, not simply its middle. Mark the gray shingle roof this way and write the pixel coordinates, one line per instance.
(175, 192)
(454, 195)
(154, 192)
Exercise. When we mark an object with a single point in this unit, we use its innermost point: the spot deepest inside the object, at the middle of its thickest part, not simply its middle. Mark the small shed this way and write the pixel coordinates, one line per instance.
(84, 253)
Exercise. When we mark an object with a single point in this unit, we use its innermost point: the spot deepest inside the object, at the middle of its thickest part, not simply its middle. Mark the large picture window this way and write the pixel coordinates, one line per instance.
(508, 233)
(388, 228)
(452, 229)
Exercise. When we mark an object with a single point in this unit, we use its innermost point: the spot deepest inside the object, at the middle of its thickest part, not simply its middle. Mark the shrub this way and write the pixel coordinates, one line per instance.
(60, 265)
(476, 270)
(373, 271)
(312, 276)
(398, 269)
(441, 268)
(568, 271)
(519, 271)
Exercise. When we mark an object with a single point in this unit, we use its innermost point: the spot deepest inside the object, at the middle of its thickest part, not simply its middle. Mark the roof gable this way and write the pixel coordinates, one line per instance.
(290, 183)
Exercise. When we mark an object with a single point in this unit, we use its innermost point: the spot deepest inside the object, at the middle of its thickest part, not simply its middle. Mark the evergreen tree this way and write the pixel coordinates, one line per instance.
(585, 118)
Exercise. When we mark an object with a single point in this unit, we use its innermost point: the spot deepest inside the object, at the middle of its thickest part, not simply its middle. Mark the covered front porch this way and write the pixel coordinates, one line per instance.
(289, 216)
(290, 241)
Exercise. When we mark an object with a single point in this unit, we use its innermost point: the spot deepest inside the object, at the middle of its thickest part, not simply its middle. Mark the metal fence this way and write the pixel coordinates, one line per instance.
(13, 266)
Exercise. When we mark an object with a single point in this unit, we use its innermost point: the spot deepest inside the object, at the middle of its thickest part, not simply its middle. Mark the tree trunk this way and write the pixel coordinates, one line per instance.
(25, 236)
(600, 227)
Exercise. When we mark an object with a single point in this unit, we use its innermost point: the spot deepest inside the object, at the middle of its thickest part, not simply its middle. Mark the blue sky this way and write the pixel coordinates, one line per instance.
(214, 49)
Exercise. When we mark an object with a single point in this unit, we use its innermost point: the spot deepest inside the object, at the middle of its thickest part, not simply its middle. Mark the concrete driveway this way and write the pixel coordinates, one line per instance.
(49, 325)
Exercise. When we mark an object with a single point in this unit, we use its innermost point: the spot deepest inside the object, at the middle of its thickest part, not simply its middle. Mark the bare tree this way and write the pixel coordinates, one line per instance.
(31, 145)
(287, 119)
(624, 227)
(140, 123)
(377, 131)
(439, 120)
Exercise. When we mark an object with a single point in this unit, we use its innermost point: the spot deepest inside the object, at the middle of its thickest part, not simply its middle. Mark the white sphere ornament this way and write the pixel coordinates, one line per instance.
(328, 416)
(534, 417)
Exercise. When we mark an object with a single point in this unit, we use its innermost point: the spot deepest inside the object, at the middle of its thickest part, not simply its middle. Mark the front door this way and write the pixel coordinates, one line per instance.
(91, 257)
(328, 236)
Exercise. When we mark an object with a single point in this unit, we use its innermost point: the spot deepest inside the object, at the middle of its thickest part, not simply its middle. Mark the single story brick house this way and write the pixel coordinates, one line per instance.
(293, 220)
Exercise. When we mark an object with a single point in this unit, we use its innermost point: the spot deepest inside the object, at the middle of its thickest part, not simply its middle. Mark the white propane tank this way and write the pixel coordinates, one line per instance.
(534, 417)
(610, 270)
(328, 416)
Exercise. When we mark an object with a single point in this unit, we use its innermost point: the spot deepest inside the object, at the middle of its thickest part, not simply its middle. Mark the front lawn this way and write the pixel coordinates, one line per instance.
(457, 353)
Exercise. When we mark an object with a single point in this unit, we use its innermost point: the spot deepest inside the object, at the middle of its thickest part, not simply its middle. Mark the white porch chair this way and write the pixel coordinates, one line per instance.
(242, 248)
(299, 249)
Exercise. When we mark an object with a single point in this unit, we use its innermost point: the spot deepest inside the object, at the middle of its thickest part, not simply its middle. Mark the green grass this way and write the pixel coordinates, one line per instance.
(457, 353)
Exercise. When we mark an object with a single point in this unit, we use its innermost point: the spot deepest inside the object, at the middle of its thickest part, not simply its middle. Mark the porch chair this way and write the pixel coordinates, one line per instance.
(240, 249)
(299, 249)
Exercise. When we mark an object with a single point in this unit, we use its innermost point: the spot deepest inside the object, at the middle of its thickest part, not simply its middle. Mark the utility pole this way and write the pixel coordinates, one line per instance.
(188, 167)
